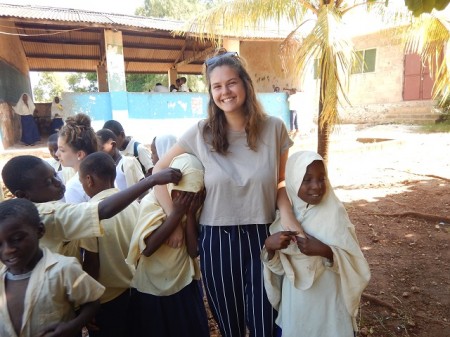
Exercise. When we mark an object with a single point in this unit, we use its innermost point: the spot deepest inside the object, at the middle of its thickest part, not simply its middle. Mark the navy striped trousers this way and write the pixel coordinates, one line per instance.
(233, 278)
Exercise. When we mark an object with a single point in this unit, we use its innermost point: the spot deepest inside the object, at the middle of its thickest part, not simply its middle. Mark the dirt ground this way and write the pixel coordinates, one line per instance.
(394, 182)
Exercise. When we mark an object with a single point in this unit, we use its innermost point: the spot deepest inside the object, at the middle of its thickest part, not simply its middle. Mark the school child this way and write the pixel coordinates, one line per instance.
(160, 145)
(315, 282)
(128, 146)
(169, 302)
(39, 290)
(34, 179)
(128, 169)
(64, 173)
(107, 260)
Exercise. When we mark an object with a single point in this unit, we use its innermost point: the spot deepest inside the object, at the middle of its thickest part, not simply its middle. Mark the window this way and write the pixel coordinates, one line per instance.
(365, 61)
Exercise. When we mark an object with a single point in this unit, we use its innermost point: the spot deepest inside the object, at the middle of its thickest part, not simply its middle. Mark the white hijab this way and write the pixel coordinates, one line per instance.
(164, 143)
(22, 108)
(327, 221)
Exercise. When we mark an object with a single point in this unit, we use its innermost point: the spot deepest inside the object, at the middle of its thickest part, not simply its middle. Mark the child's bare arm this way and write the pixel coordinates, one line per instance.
(192, 224)
(278, 241)
(181, 204)
(114, 204)
(311, 246)
(74, 326)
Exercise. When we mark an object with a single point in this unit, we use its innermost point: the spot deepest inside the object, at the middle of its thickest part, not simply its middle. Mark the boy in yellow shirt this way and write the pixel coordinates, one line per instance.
(40, 290)
(107, 261)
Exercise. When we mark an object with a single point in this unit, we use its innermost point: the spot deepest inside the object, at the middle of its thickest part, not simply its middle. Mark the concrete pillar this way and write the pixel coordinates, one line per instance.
(116, 74)
(102, 78)
(172, 75)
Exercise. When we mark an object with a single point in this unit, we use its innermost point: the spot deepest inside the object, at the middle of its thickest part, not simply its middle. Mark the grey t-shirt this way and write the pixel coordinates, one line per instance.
(241, 186)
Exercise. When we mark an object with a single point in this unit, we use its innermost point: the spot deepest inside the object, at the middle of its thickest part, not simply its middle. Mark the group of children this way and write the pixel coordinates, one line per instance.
(130, 282)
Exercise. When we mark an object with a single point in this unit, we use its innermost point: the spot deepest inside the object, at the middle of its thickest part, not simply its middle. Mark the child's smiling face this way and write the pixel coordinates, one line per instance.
(19, 244)
(313, 186)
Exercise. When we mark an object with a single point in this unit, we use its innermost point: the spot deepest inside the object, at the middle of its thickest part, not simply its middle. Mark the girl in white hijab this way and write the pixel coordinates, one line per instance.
(160, 146)
(25, 108)
(315, 282)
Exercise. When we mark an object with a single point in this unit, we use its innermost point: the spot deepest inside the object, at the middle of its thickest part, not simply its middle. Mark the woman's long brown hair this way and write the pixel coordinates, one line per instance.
(215, 129)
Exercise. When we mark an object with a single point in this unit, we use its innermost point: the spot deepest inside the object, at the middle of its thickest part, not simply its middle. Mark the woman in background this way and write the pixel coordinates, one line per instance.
(25, 108)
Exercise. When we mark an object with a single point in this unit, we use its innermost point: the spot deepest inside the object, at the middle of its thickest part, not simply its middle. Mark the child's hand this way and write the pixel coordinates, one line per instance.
(279, 240)
(197, 202)
(311, 246)
(59, 330)
(166, 176)
(182, 202)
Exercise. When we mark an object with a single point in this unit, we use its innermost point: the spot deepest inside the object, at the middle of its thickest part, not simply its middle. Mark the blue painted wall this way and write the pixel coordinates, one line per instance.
(153, 114)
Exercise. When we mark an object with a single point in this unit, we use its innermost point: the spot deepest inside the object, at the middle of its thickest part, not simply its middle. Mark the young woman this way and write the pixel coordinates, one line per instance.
(76, 140)
(244, 152)
(25, 108)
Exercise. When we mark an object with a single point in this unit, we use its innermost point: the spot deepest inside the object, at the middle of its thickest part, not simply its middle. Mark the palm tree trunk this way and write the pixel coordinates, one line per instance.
(323, 128)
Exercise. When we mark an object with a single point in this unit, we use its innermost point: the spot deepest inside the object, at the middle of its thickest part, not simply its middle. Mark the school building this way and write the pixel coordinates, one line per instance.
(38, 38)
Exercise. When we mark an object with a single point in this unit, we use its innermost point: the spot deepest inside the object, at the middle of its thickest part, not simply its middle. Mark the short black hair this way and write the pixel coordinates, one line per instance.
(106, 134)
(114, 126)
(15, 171)
(20, 208)
(99, 164)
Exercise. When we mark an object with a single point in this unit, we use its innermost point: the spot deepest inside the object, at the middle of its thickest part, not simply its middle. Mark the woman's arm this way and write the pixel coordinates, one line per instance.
(162, 194)
(181, 204)
(288, 219)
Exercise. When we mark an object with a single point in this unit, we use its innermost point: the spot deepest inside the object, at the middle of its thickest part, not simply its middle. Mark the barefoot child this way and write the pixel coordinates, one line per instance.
(106, 262)
(166, 279)
(39, 290)
(315, 282)
(34, 179)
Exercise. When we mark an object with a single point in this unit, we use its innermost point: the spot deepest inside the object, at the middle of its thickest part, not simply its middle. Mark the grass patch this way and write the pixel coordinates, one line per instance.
(435, 127)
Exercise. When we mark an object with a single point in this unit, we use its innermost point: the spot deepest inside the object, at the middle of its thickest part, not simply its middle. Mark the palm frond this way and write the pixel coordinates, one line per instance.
(237, 17)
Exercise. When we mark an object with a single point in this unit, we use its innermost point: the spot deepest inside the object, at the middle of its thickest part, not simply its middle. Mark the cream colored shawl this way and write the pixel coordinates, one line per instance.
(22, 108)
(328, 222)
(163, 144)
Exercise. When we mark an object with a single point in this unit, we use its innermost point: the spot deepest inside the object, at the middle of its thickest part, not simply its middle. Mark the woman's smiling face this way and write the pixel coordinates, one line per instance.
(227, 89)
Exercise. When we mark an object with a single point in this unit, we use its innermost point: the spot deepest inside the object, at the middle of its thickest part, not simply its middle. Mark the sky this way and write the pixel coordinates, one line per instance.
(115, 6)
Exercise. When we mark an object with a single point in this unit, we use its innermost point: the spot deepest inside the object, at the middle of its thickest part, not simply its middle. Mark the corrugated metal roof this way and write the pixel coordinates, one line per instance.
(77, 16)
(64, 39)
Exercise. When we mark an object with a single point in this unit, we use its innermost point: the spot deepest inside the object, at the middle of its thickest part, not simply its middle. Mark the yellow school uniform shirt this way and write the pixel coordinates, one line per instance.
(115, 273)
(57, 287)
(167, 270)
(65, 222)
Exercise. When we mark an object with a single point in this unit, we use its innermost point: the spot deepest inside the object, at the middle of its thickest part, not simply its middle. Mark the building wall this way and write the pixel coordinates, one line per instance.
(264, 66)
(14, 80)
(385, 84)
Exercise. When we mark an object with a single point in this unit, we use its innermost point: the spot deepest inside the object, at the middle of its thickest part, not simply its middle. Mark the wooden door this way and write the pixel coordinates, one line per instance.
(417, 82)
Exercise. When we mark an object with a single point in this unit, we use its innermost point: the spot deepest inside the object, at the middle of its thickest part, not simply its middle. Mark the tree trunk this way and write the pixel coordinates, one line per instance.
(323, 128)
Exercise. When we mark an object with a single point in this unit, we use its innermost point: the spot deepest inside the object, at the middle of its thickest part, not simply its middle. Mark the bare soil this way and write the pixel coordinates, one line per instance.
(394, 182)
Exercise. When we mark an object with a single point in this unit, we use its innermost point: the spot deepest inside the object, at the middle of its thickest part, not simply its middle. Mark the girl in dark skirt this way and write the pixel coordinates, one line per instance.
(25, 108)
(168, 300)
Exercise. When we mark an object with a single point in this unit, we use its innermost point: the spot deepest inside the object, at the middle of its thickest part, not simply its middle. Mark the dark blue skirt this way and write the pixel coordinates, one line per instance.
(179, 315)
(56, 125)
(30, 132)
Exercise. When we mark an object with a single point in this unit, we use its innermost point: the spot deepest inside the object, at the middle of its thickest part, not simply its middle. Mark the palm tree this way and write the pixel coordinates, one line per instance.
(327, 44)
(429, 36)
